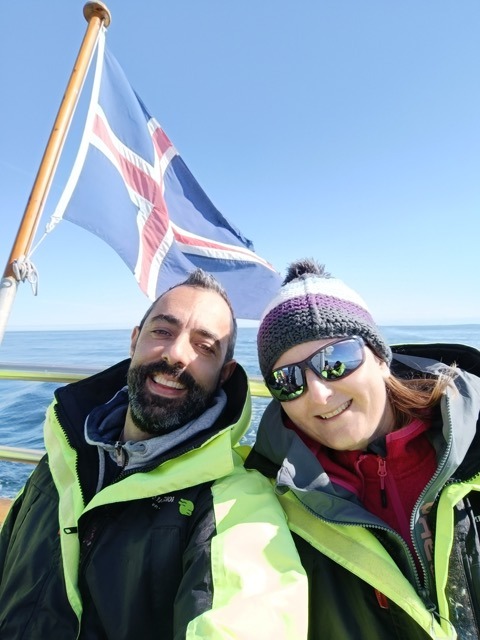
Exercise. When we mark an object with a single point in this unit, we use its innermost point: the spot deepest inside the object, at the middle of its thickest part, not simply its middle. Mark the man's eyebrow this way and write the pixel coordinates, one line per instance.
(210, 335)
(165, 317)
(173, 320)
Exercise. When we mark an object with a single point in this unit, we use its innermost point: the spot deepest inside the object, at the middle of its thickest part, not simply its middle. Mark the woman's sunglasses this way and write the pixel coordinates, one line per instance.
(334, 361)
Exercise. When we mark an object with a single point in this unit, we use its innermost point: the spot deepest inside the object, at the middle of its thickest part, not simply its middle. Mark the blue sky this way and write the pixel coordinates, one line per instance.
(346, 130)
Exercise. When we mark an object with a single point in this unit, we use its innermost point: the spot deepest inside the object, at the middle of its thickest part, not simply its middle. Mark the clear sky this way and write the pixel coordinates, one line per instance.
(344, 130)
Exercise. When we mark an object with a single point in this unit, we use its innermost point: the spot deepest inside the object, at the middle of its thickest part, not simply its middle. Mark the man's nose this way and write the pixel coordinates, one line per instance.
(179, 351)
(319, 390)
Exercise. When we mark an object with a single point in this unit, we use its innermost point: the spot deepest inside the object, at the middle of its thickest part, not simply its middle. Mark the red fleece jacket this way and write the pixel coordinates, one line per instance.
(387, 486)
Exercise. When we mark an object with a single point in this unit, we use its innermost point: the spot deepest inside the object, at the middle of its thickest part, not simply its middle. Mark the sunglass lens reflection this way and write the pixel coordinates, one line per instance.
(332, 363)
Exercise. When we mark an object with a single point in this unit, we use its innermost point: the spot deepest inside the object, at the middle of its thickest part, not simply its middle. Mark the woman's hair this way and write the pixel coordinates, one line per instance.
(412, 398)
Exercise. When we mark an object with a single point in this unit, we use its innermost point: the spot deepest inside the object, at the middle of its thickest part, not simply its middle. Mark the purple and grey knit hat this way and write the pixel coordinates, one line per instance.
(311, 305)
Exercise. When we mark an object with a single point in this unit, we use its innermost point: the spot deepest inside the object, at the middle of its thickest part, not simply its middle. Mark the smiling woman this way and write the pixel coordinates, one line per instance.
(363, 444)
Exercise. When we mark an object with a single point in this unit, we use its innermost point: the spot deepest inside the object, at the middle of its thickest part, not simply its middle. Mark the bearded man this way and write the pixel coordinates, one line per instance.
(141, 521)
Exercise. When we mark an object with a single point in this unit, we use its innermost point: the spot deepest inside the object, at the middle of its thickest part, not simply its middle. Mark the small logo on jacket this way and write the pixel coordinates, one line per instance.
(185, 507)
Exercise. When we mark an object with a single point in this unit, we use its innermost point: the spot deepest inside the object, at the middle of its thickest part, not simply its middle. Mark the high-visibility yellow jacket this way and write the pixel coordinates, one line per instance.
(364, 582)
(194, 546)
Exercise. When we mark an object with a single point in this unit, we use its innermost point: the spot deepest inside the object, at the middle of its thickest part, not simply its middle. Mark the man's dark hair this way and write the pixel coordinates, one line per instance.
(200, 279)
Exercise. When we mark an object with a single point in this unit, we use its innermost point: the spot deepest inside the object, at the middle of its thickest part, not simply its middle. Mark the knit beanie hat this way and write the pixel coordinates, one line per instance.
(311, 305)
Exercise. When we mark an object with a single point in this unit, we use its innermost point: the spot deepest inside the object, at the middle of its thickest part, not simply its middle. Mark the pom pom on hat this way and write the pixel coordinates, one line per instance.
(311, 305)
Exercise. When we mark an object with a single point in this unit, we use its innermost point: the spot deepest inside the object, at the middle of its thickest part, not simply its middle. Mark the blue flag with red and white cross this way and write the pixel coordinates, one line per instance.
(130, 187)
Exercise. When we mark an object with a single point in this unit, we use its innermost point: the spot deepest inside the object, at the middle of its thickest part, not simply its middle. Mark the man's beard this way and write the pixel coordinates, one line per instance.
(157, 415)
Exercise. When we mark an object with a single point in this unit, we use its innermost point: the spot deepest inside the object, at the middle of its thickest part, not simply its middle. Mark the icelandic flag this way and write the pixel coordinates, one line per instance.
(130, 187)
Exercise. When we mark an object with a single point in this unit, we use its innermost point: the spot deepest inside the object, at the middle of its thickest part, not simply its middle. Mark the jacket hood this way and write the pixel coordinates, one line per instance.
(459, 405)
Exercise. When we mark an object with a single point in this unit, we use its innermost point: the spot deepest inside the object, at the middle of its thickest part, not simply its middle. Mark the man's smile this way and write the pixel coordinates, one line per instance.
(158, 378)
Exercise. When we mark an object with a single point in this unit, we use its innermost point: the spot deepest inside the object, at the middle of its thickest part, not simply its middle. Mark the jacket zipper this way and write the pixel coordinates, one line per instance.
(121, 457)
(69, 442)
(382, 473)
(429, 587)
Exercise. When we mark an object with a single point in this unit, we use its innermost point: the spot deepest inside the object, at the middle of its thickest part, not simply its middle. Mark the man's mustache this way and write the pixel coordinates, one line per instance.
(162, 366)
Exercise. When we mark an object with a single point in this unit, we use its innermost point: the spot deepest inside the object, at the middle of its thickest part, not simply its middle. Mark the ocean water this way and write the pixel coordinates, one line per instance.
(23, 404)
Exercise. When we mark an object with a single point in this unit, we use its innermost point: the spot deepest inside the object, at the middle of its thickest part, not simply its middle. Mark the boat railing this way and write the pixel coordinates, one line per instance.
(64, 375)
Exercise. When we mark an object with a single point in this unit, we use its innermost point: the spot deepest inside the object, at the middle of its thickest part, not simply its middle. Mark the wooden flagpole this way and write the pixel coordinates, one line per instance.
(97, 15)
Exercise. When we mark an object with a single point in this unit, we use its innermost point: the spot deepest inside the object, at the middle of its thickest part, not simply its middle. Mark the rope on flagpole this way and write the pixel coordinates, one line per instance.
(23, 269)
